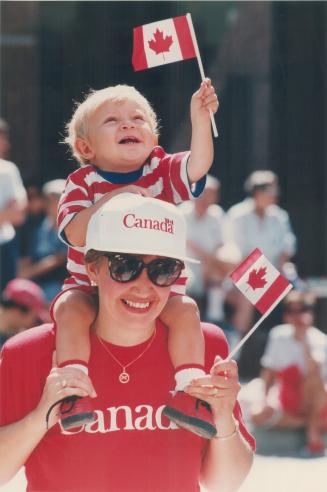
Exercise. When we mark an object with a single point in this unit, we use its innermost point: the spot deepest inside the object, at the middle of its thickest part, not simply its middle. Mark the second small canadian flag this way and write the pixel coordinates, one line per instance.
(261, 283)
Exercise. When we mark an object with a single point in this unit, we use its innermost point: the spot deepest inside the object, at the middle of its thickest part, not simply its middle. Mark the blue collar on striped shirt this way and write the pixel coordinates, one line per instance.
(120, 178)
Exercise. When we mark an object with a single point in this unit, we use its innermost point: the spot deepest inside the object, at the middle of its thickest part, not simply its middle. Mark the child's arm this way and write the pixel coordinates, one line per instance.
(201, 156)
(75, 230)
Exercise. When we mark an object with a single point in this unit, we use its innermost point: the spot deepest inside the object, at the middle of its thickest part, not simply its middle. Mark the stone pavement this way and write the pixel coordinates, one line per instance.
(283, 474)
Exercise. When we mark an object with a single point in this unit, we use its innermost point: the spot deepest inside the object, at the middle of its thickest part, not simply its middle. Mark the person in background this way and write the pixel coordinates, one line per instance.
(294, 374)
(221, 292)
(4, 139)
(204, 218)
(22, 305)
(46, 259)
(35, 213)
(258, 222)
(12, 208)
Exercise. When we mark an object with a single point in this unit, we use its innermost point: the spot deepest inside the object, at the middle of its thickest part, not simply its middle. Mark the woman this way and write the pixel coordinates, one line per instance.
(131, 446)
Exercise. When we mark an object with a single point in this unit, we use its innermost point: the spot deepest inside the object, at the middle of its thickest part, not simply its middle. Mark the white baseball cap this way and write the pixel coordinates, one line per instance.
(131, 223)
(54, 187)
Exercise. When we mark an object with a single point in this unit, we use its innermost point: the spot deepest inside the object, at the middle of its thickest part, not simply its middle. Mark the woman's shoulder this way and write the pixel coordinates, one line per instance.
(33, 339)
(215, 343)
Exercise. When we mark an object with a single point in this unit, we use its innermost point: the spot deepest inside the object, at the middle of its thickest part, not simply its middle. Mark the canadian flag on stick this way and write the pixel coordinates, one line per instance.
(162, 42)
(262, 284)
(167, 41)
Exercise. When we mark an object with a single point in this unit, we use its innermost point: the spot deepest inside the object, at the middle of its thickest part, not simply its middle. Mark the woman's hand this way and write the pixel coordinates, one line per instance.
(62, 382)
(219, 389)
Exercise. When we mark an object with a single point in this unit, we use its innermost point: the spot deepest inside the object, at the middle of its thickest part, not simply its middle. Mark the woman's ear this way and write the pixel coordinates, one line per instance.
(83, 147)
(92, 271)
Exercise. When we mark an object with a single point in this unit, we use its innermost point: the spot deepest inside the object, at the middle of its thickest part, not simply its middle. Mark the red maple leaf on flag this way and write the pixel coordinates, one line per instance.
(256, 278)
(160, 44)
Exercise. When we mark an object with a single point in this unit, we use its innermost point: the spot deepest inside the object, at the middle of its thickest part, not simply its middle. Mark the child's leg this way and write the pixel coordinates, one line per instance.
(185, 340)
(186, 349)
(74, 312)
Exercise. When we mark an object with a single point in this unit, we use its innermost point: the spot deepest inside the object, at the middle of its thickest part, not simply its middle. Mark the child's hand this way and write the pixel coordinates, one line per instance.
(202, 101)
(138, 190)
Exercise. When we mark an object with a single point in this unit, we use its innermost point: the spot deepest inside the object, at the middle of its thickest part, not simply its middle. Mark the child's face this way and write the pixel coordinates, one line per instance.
(120, 137)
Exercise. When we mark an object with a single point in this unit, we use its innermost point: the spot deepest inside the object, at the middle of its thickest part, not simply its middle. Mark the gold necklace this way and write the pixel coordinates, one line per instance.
(124, 377)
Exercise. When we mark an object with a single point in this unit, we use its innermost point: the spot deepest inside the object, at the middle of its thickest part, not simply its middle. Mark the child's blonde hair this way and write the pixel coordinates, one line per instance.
(77, 127)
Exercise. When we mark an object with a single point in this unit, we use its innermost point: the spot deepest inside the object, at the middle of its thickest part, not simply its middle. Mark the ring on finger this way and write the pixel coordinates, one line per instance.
(214, 392)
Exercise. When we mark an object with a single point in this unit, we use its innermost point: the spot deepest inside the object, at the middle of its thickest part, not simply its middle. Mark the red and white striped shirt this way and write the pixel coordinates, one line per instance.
(165, 175)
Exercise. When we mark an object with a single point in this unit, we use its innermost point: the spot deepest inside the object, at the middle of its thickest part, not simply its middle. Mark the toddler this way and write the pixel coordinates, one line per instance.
(113, 134)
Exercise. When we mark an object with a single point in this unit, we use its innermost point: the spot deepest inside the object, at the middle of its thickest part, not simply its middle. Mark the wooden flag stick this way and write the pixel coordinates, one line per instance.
(198, 57)
(245, 338)
(258, 323)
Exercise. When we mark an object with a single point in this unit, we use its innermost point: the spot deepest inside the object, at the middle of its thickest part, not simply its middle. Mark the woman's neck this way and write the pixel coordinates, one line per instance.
(121, 334)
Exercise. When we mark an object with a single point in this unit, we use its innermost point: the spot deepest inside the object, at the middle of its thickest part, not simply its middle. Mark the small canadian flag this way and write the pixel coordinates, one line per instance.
(260, 282)
(162, 42)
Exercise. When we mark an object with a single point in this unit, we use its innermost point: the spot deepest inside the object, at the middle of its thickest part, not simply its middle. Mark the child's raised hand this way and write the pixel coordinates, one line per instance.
(203, 100)
(138, 190)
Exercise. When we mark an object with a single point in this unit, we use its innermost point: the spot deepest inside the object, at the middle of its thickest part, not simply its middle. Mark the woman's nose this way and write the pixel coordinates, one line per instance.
(143, 283)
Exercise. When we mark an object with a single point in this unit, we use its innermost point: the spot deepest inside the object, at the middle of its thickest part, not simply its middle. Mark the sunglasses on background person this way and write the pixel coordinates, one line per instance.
(162, 272)
(305, 308)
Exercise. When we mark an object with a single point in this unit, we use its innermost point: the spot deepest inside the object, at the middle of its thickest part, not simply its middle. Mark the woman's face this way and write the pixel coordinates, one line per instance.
(299, 315)
(134, 304)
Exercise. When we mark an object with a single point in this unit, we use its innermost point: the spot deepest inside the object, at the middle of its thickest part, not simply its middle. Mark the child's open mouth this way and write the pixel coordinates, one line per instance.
(129, 140)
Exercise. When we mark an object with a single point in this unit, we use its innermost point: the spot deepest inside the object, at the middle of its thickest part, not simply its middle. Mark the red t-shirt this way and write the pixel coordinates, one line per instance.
(131, 447)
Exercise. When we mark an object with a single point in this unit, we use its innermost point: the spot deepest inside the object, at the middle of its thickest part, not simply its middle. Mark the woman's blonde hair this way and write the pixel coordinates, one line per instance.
(78, 126)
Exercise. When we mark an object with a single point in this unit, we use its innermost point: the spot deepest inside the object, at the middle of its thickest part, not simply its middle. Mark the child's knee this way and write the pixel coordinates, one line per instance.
(74, 305)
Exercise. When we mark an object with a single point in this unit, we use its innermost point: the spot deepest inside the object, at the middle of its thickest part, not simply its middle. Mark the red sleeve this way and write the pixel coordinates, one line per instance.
(4, 387)
(25, 362)
(76, 197)
(216, 344)
(173, 168)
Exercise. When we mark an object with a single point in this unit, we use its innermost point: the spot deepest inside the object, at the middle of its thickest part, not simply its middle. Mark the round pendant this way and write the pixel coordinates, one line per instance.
(123, 377)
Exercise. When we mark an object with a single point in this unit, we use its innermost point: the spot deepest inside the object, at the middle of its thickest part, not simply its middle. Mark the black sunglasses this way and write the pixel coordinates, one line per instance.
(163, 272)
(305, 308)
